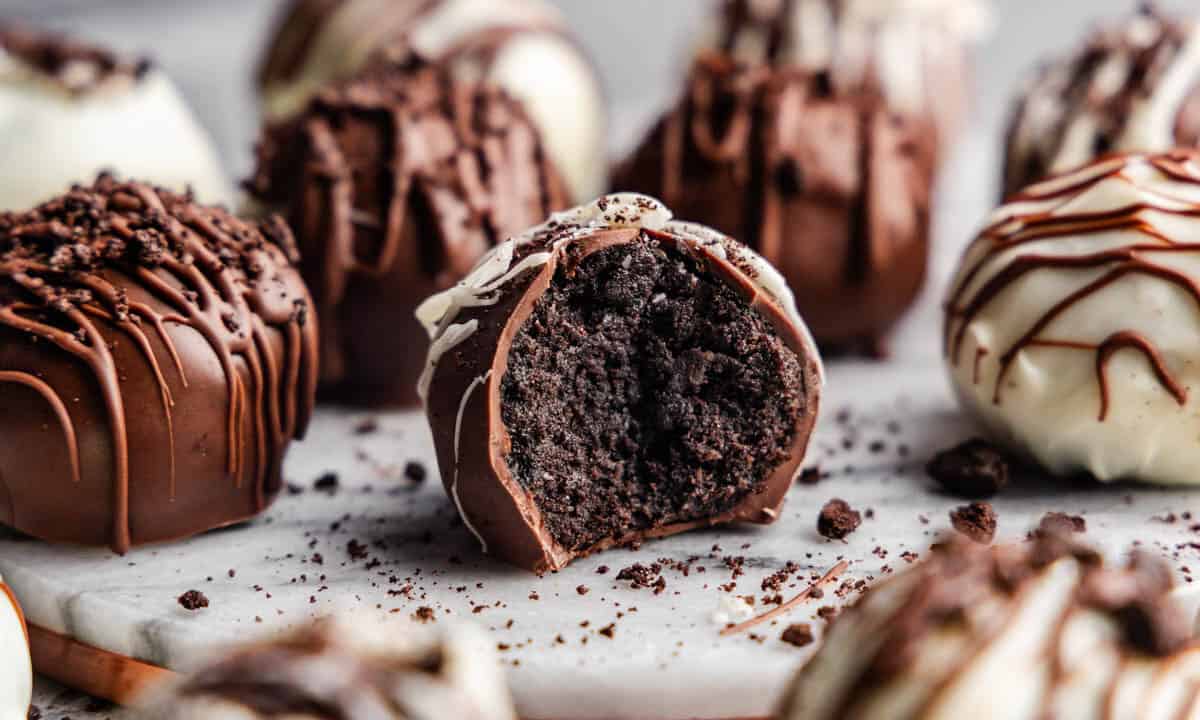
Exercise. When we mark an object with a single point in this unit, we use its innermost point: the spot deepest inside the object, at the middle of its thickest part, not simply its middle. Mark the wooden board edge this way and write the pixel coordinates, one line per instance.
(97, 672)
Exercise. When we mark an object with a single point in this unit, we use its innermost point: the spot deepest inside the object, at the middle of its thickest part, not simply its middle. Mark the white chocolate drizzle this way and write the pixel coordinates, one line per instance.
(462, 408)
(1075, 109)
(896, 40)
(485, 284)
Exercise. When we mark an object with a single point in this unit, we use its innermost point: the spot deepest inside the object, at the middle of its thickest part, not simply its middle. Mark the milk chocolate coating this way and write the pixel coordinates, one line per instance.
(466, 393)
(816, 167)
(396, 183)
(156, 358)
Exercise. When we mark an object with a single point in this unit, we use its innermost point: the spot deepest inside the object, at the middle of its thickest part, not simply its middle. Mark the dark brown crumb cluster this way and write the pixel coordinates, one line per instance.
(974, 470)
(837, 520)
(1057, 523)
(798, 634)
(642, 392)
(644, 576)
(976, 521)
(193, 600)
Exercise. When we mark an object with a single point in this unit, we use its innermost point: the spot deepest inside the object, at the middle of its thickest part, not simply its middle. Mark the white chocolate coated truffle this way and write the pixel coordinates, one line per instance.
(1073, 324)
(913, 51)
(1011, 633)
(16, 669)
(54, 134)
(1133, 87)
(520, 45)
(352, 667)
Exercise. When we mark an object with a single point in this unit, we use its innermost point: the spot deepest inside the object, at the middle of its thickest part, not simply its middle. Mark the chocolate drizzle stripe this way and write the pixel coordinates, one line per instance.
(60, 410)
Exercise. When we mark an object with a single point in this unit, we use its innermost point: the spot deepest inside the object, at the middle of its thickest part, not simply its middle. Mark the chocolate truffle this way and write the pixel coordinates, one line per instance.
(156, 358)
(71, 110)
(16, 678)
(1042, 630)
(347, 669)
(519, 45)
(1132, 87)
(1071, 329)
(396, 182)
(614, 375)
(810, 130)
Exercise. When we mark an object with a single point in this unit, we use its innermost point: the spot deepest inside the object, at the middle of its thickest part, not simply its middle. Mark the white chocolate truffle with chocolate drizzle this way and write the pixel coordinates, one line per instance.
(521, 45)
(16, 670)
(1073, 325)
(349, 669)
(69, 111)
(1040, 630)
(1133, 87)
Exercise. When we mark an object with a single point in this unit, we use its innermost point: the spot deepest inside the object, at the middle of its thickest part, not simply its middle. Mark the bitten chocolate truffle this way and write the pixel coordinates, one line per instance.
(1071, 327)
(16, 680)
(396, 182)
(522, 46)
(347, 669)
(1041, 630)
(156, 358)
(811, 130)
(614, 375)
(1132, 87)
(72, 110)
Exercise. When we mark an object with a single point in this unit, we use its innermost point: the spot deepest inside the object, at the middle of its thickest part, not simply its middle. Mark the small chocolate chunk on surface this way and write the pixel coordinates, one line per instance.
(837, 520)
(975, 470)
(977, 521)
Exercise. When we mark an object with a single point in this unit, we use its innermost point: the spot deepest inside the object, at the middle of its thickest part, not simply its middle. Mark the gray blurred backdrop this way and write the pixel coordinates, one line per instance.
(212, 47)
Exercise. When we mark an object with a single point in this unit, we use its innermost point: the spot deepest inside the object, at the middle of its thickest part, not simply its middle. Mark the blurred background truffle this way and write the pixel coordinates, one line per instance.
(946, 638)
(396, 181)
(522, 46)
(1134, 86)
(349, 669)
(811, 130)
(69, 110)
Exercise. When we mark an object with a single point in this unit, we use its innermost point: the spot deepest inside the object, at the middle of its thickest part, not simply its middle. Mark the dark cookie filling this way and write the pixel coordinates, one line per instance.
(642, 392)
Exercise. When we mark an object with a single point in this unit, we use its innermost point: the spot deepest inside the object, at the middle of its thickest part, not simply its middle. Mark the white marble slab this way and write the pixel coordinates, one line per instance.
(665, 658)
